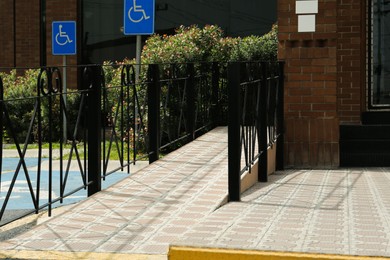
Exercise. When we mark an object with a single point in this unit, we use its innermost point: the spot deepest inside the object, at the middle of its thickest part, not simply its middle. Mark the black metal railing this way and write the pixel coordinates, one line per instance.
(110, 112)
(188, 98)
(116, 117)
(255, 119)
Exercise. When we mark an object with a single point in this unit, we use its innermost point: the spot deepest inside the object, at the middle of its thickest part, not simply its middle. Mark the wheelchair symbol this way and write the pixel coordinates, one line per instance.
(62, 38)
(137, 9)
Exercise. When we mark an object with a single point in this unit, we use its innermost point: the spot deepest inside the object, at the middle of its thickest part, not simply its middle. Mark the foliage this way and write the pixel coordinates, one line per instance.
(19, 92)
(254, 47)
(189, 44)
(20, 97)
(118, 107)
(194, 44)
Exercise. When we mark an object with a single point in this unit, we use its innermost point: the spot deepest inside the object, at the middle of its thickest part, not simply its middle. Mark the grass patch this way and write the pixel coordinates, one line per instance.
(113, 152)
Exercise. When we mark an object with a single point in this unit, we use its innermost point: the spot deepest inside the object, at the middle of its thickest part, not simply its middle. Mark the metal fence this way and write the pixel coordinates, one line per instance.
(111, 121)
(118, 116)
(255, 119)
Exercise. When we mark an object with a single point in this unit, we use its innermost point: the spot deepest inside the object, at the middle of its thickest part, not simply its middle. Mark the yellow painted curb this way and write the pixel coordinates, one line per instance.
(190, 253)
(13, 254)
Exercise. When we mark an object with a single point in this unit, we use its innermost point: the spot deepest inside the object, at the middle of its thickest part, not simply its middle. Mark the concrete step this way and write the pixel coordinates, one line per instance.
(376, 117)
(365, 145)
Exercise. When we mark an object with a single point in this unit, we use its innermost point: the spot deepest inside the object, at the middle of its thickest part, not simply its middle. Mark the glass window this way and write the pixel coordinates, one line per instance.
(380, 67)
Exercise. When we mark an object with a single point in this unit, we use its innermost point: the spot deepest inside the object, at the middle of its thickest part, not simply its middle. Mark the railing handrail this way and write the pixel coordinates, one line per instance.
(198, 99)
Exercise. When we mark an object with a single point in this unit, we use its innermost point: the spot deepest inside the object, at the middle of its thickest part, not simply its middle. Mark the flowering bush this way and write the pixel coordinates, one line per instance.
(253, 47)
(187, 45)
(194, 44)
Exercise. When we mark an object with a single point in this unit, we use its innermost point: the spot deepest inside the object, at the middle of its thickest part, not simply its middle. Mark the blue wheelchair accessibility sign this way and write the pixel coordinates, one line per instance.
(64, 38)
(139, 17)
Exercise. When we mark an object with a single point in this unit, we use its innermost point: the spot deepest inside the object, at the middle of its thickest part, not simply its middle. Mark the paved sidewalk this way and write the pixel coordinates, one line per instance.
(144, 213)
(177, 201)
(343, 212)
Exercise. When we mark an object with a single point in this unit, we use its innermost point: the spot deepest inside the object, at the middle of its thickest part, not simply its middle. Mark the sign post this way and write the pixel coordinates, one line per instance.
(139, 20)
(64, 43)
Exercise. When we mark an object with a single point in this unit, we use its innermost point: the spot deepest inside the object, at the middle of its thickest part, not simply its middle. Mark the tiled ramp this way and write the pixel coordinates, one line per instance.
(144, 213)
(176, 200)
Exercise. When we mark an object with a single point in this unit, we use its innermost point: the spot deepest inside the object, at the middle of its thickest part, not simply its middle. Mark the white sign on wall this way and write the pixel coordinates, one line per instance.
(306, 11)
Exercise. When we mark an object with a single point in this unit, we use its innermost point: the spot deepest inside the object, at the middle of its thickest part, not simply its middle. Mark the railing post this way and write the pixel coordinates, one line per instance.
(153, 112)
(191, 101)
(234, 121)
(263, 119)
(215, 94)
(94, 132)
(280, 120)
(1, 129)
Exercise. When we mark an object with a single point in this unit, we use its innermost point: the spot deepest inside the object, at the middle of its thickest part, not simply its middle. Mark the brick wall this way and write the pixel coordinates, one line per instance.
(6, 32)
(26, 41)
(28, 34)
(311, 103)
(351, 59)
(325, 78)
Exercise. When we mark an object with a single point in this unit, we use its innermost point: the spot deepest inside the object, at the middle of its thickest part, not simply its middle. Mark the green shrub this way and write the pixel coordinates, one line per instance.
(189, 44)
(20, 96)
(194, 44)
(256, 48)
(222, 52)
(18, 93)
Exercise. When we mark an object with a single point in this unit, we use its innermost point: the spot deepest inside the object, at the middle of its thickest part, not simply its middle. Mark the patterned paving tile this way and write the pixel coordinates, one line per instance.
(177, 201)
(322, 211)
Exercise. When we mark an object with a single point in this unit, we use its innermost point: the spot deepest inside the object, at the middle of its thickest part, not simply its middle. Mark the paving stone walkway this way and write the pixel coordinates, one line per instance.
(345, 211)
(177, 201)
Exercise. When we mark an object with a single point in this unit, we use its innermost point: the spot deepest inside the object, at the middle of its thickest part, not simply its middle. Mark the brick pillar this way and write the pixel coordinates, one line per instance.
(351, 59)
(311, 118)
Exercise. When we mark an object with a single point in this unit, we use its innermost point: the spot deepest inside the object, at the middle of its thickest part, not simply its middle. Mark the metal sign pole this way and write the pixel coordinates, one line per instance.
(138, 57)
(64, 96)
(137, 76)
(64, 43)
(138, 20)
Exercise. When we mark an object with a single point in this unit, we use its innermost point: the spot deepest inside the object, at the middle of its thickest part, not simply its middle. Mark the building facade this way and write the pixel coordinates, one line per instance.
(337, 92)
(336, 88)
(25, 26)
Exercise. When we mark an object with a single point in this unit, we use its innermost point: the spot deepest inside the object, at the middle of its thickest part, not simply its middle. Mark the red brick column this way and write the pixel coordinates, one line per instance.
(351, 59)
(311, 118)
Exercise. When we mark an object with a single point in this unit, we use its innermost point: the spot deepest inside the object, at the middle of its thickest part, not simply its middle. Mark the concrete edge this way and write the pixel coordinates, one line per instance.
(15, 254)
(192, 253)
